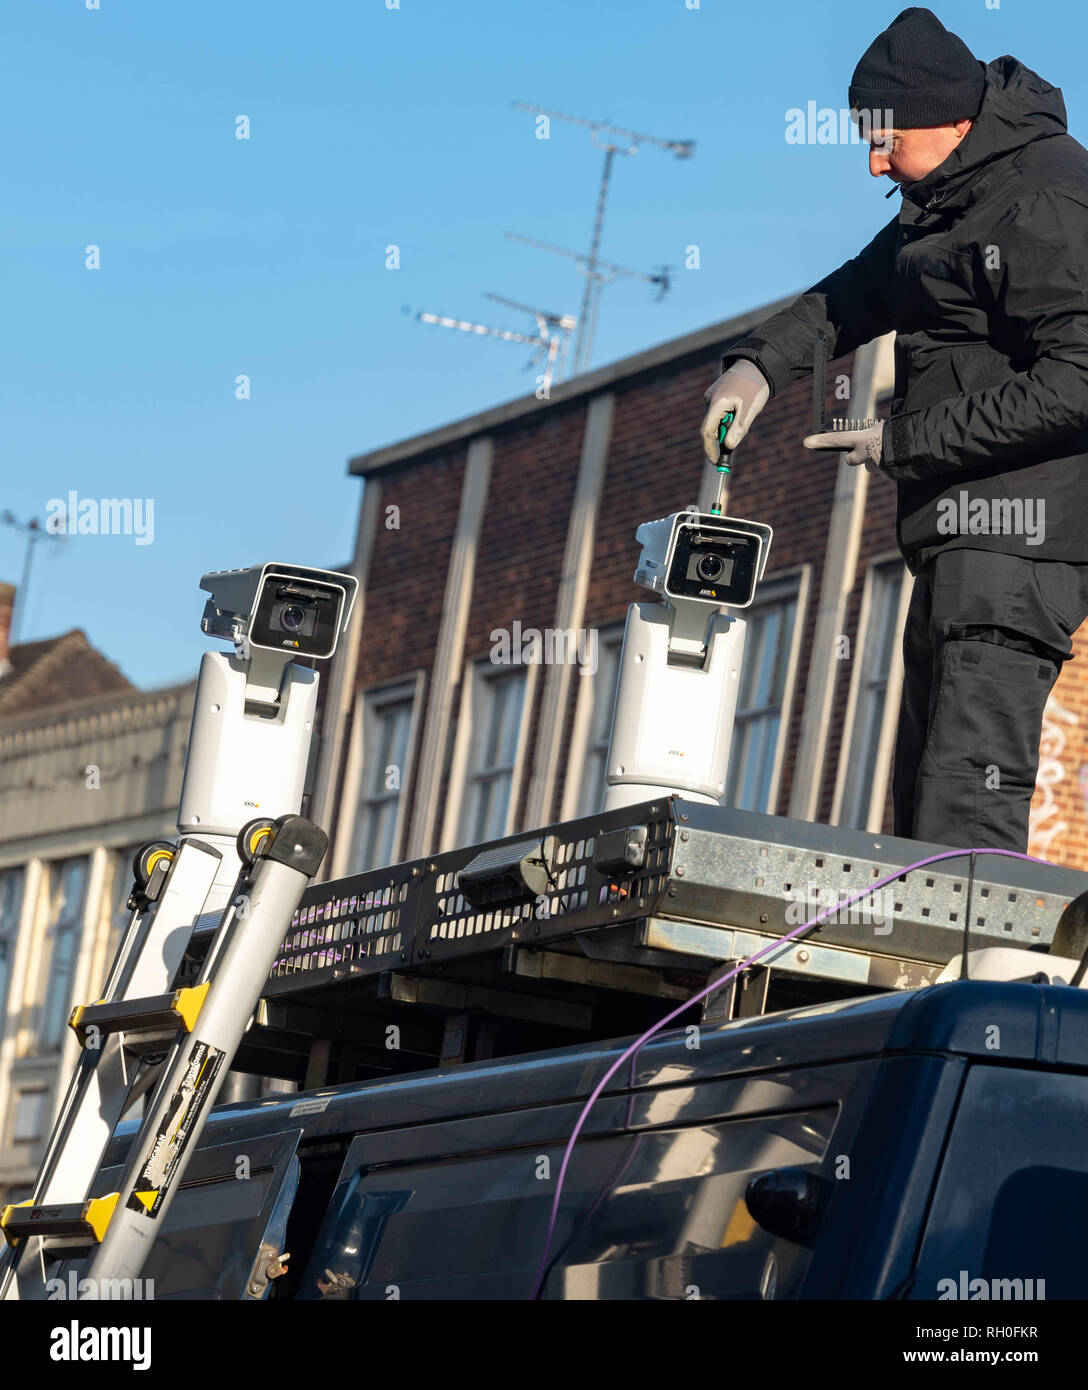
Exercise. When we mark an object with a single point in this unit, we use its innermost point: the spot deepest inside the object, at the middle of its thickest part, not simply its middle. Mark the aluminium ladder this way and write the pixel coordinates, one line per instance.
(195, 1031)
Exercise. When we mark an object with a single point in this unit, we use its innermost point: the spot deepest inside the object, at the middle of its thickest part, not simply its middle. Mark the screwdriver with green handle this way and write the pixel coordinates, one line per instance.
(723, 467)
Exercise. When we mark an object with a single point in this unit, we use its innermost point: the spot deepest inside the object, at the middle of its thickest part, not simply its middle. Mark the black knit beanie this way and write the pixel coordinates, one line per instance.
(920, 72)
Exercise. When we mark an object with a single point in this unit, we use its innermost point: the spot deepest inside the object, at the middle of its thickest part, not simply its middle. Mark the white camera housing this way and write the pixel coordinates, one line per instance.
(255, 708)
(676, 699)
(694, 556)
(290, 609)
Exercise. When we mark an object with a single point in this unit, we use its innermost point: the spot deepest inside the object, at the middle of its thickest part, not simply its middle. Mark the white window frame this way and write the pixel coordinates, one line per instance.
(9, 935)
(584, 747)
(367, 702)
(776, 588)
(861, 676)
(70, 923)
(460, 798)
(41, 1093)
(118, 914)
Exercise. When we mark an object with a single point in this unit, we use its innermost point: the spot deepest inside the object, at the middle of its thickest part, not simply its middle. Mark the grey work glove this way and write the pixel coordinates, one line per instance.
(859, 446)
(742, 389)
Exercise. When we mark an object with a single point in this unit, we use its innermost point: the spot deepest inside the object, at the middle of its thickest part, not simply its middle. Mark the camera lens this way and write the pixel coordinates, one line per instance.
(710, 568)
(292, 617)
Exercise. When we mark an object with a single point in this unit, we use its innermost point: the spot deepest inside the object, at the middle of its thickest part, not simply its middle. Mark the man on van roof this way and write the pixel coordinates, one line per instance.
(983, 275)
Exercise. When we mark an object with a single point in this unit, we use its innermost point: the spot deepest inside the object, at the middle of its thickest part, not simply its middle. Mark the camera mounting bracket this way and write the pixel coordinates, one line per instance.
(679, 679)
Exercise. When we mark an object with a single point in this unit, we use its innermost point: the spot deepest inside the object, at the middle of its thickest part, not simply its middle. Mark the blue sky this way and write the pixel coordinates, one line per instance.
(266, 257)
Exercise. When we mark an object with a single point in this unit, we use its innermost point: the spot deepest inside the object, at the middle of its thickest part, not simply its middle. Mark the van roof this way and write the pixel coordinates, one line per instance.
(1040, 1024)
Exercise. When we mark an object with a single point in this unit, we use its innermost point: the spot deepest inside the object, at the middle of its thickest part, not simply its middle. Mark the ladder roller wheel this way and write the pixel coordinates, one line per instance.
(147, 859)
(255, 839)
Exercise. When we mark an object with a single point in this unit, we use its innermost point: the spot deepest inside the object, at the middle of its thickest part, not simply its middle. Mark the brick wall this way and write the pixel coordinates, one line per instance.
(407, 578)
(534, 470)
(653, 467)
(7, 605)
(1059, 824)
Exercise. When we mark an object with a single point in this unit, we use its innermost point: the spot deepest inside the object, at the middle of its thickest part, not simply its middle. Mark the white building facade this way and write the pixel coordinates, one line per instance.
(82, 787)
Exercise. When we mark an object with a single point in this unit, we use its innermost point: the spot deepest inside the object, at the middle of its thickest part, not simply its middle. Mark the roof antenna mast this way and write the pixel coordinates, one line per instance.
(613, 140)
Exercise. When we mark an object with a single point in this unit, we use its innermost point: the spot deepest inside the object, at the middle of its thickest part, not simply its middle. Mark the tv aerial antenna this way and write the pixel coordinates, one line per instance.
(613, 140)
(552, 337)
(604, 273)
(34, 532)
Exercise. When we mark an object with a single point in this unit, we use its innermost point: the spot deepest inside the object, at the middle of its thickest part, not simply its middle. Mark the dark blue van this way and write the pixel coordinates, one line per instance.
(901, 1146)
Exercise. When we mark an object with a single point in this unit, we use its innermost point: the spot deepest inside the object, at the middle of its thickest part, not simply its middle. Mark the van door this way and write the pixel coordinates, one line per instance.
(1009, 1217)
(231, 1196)
(461, 1210)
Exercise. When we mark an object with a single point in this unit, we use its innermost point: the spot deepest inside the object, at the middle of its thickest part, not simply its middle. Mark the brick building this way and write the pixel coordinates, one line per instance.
(41, 675)
(525, 514)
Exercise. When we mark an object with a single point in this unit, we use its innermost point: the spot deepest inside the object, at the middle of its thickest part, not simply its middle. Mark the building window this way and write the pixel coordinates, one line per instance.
(880, 634)
(605, 684)
(498, 700)
(768, 646)
(29, 1116)
(387, 730)
(67, 886)
(11, 901)
(119, 913)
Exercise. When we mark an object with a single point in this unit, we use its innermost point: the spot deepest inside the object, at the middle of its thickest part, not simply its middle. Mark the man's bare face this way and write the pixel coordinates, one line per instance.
(908, 155)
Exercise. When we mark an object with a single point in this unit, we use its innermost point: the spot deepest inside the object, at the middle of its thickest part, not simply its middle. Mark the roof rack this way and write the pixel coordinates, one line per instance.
(595, 927)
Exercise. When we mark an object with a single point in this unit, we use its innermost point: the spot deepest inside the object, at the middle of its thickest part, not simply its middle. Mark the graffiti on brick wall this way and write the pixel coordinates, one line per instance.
(1044, 825)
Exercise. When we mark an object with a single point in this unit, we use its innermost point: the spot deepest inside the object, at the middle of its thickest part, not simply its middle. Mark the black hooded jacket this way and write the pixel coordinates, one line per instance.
(984, 277)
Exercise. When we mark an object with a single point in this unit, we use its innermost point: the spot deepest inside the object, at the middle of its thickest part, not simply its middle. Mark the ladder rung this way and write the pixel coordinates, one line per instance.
(145, 1022)
(83, 1222)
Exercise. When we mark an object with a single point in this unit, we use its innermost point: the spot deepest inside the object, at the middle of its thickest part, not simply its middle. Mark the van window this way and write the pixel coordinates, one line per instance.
(213, 1231)
(651, 1214)
(1000, 1221)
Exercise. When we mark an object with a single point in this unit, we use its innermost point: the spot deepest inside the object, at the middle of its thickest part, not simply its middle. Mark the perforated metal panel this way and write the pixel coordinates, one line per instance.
(741, 868)
(578, 896)
(414, 912)
(370, 925)
(704, 864)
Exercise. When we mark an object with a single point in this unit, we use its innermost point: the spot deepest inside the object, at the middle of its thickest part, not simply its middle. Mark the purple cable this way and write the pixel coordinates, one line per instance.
(709, 989)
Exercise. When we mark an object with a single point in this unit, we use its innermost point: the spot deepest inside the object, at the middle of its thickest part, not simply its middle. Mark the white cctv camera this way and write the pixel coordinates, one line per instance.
(717, 560)
(289, 609)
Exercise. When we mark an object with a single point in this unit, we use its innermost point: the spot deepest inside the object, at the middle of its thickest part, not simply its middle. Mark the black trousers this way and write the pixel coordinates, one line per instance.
(986, 635)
